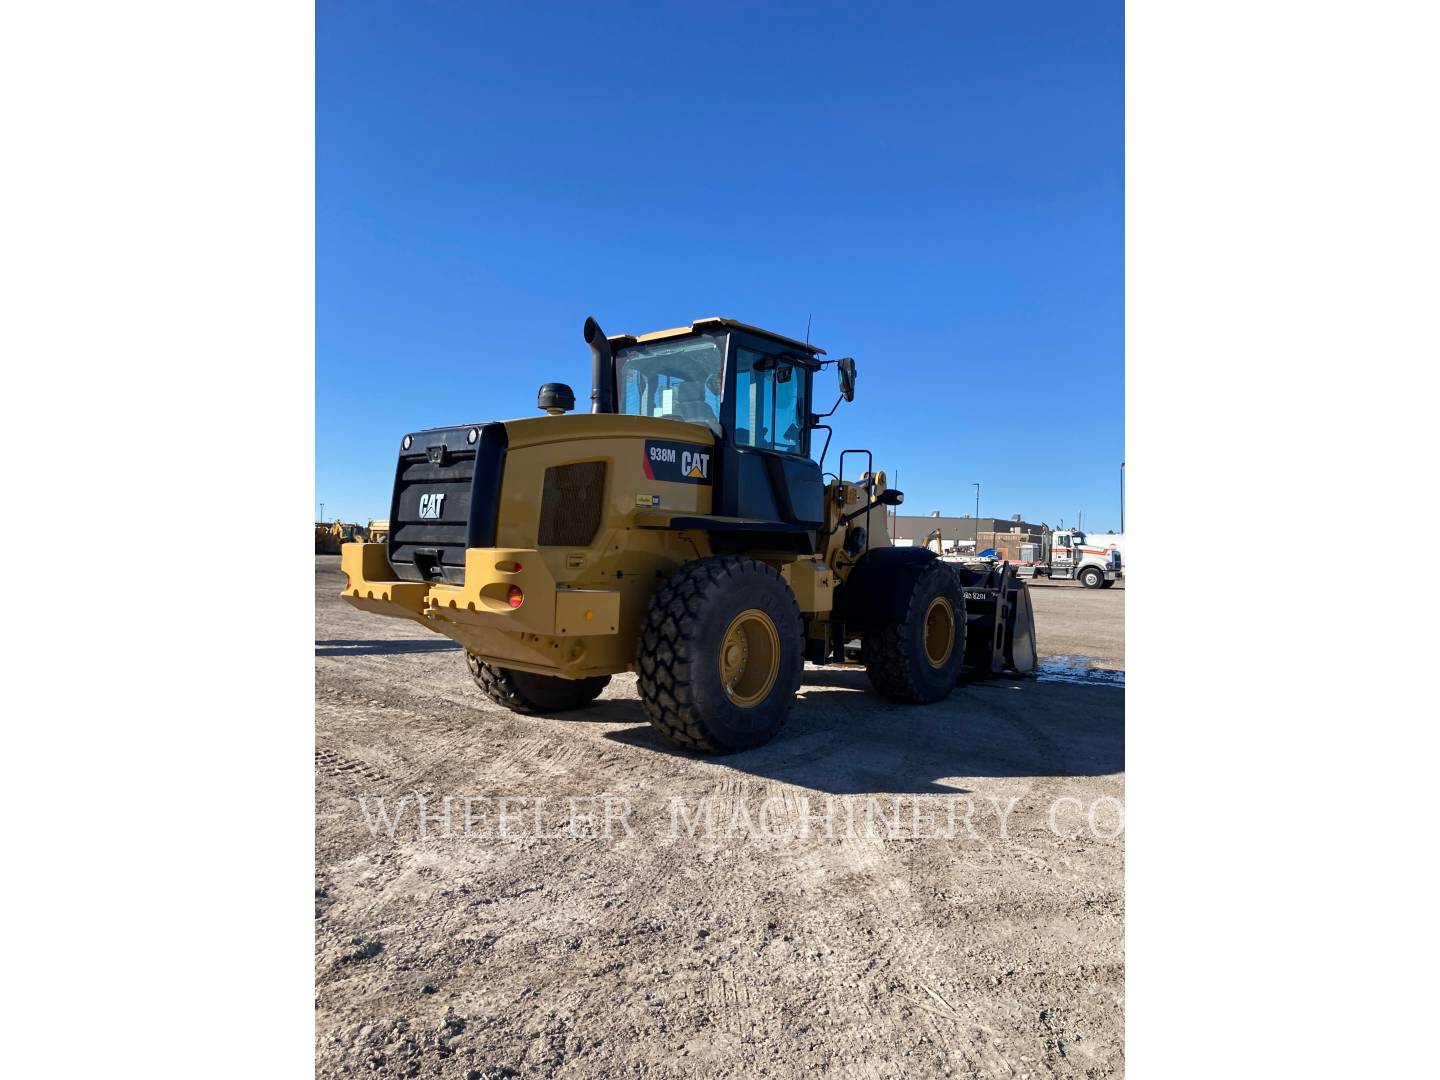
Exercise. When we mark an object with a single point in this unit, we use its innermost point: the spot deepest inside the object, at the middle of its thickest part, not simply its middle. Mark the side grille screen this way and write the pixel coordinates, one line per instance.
(571, 505)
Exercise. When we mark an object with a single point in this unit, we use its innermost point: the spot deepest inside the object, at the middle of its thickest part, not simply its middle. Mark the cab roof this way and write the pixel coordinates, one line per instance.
(620, 340)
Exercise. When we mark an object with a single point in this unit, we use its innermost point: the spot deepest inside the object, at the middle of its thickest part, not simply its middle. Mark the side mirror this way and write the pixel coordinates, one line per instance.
(846, 367)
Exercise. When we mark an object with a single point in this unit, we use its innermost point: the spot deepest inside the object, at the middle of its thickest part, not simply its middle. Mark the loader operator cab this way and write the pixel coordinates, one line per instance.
(752, 389)
(685, 379)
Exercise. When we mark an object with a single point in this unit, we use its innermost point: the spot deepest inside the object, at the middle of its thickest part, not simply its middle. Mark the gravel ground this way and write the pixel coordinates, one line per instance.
(1073, 621)
(883, 891)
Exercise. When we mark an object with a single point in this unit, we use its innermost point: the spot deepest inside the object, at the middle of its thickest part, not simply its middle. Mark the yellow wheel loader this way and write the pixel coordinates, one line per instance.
(331, 537)
(682, 530)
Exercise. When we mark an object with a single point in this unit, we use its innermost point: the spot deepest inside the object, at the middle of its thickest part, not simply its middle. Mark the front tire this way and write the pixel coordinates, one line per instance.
(1091, 578)
(915, 654)
(721, 655)
(533, 695)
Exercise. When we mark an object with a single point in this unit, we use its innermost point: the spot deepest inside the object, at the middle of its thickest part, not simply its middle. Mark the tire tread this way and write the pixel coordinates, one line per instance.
(666, 652)
(560, 695)
(889, 661)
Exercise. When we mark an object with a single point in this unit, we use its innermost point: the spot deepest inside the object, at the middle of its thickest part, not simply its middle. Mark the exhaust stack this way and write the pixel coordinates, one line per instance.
(602, 369)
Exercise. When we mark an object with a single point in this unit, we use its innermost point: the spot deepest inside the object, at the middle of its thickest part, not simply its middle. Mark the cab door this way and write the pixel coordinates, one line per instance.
(766, 471)
(1062, 555)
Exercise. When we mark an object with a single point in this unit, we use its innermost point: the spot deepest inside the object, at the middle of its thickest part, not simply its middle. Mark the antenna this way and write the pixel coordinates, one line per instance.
(808, 316)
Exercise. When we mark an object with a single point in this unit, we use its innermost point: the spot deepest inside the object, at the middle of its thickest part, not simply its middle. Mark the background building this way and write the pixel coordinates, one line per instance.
(1004, 534)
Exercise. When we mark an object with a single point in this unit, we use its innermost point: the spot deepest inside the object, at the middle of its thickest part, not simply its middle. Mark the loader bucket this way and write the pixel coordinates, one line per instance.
(999, 622)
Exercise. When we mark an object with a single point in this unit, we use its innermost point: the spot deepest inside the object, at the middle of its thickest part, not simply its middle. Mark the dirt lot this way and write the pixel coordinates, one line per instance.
(883, 891)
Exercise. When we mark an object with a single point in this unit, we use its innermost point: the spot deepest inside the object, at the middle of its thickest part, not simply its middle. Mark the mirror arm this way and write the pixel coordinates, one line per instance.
(817, 417)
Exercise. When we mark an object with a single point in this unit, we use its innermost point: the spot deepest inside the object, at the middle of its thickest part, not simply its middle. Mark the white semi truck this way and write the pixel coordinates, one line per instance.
(1070, 553)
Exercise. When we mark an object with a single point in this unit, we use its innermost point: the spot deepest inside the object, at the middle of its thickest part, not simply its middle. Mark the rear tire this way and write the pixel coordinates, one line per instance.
(533, 695)
(1091, 578)
(915, 656)
(721, 655)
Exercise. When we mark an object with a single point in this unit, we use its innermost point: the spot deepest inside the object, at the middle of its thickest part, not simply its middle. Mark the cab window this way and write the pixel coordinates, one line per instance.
(678, 380)
(769, 402)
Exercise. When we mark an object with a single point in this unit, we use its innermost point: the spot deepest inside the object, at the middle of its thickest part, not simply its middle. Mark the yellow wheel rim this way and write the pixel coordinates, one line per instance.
(939, 631)
(749, 658)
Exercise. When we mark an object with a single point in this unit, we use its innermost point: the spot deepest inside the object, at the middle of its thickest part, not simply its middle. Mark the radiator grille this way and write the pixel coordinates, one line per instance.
(572, 503)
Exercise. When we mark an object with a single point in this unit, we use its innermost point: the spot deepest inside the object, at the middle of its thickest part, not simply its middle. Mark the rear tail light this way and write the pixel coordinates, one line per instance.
(516, 596)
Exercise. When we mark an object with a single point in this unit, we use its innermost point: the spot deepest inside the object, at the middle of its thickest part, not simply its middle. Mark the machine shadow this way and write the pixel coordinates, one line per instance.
(605, 711)
(841, 739)
(396, 647)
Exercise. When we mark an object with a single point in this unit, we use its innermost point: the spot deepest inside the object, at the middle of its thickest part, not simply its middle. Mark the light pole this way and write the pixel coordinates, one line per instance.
(322, 511)
(1122, 497)
(977, 517)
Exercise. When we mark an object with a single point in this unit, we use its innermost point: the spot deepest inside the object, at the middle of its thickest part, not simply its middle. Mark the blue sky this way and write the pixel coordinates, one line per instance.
(940, 188)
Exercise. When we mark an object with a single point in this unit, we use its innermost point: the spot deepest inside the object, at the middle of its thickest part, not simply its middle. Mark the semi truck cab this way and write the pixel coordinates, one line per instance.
(1068, 553)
